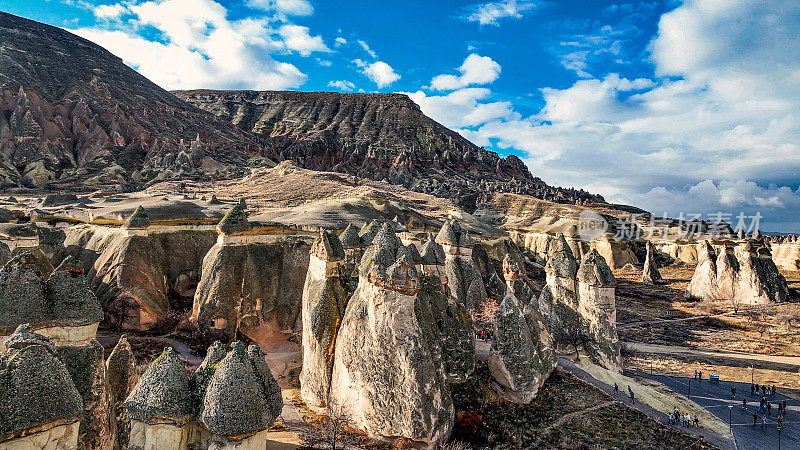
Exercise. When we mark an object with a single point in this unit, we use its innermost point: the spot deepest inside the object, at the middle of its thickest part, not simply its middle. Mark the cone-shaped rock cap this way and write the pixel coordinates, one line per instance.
(35, 387)
(72, 265)
(757, 234)
(202, 375)
(432, 253)
(162, 392)
(594, 270)
(139, 220)
(389, 264)
(416, 258)
(705, 251)
(398, 225)
(327, 247)
(237, 402)
(368, 232)
(451, 233)
(561, 262)
(120, 369)
(349, 237)
(236, 220)
(24, 337)
(740, 234)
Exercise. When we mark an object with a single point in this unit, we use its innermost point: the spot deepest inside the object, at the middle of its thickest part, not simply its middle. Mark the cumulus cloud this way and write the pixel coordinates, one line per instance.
(199, 46)
(342, 85)
(490, 13)
(109, 11)
(297, 38)
(463, 108)
(285, 7)
(476, 69)
(379, 72)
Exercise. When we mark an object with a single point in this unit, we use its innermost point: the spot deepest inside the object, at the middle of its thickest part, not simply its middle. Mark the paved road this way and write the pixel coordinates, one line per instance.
(716, 398)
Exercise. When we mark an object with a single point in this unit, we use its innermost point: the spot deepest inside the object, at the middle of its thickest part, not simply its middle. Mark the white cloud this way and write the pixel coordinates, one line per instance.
(381, 73)
(462, 108)
(199, 46)
(476, 69)
(489, 13)
(285, 7)
(109, 11)
(366, 48)
(342, 85)
(340, 41)
(297, 38)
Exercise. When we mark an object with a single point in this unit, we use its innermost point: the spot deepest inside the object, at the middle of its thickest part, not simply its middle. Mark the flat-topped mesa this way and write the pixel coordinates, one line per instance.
(388, 374)
(137, 223)
(242, 400)
(597, 305)
(323, 305)
(61, 307)
(19, 235)
(703, 285)
(40, 406)
(650, 273)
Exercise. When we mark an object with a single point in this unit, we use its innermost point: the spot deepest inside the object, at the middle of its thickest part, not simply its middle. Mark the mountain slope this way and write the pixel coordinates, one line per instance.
(377, 136)
(71, 113)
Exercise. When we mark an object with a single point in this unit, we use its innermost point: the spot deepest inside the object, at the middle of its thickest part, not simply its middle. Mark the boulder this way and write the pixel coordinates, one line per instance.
(389, 376)
(703, 285)
(324, 303)
(650, 273)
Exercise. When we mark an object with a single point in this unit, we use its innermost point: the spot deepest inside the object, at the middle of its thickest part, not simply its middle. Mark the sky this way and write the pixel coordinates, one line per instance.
(679, 107)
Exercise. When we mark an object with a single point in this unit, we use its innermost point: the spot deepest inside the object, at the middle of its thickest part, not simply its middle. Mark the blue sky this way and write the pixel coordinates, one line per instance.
(672, 106)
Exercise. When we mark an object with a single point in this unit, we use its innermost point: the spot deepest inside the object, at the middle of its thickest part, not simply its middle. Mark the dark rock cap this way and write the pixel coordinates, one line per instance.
(328, 247)
(162, 392)
(432, 253)
(236, 220)
(561, 262)
(594, 270)
(139, 220)
(349, 237)
(35, 387)
(453, 234)
(368, 232)
(416, 258)
(121, 370)
(19, 230)
(238, 401)
(390, 264)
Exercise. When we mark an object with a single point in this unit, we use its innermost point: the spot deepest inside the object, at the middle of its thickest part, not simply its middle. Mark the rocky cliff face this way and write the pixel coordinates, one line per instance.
(376, 136)
(71, 113)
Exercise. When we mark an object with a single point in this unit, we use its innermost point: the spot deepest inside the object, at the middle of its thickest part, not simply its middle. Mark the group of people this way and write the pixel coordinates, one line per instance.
(698, 375)
(762, 388)
(483, 335)
(631, 395)
(676, 418)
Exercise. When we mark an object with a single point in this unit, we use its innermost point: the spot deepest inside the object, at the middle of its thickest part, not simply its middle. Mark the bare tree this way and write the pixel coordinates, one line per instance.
(330, 431)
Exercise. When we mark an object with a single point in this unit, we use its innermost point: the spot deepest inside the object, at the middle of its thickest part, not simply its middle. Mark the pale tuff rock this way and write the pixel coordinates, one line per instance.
(324, 303)
(740, 234)
(561, 270)
(757, 235)
(518, 359)
(650, 273)
(727, 274)
(596, 304)
(37, 394)
(703, 285)
(758, 278)
(463, 279)
(388, 375)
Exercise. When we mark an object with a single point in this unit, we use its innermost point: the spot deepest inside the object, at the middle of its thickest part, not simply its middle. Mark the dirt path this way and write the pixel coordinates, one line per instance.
(568, 417)
(752, 358)
(679, 319)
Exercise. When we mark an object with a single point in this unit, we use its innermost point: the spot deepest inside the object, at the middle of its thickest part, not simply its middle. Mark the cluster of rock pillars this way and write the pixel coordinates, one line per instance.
(386, 333)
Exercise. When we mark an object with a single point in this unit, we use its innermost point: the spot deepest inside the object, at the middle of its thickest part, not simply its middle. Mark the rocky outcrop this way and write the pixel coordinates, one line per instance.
(40, 408)
(703, 284)
(388, 375)
(121, 377)
(727, 274)
(252, 281)
(519, 360)
(376, 136)
(464, 282)
(324, 303)
(597, 305)
(73, 115)
(650, 273)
